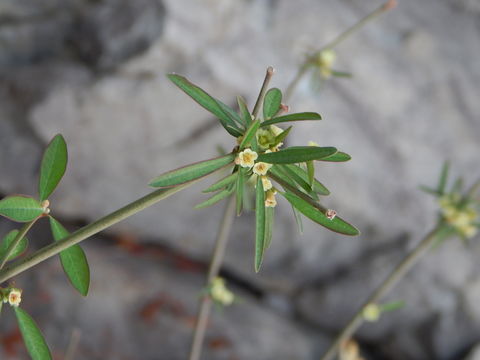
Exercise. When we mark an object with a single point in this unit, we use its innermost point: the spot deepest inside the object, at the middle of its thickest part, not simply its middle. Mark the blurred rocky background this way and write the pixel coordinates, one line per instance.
(93, 70)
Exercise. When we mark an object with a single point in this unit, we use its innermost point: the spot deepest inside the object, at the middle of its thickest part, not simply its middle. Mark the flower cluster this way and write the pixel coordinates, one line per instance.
(12, 296)
(460, 216)
(219, 292)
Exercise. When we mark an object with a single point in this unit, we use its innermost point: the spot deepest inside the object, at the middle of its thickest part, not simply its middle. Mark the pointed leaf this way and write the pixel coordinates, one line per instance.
(54, 164)
(293, 117)
(338, 157)
(272, 103)
(244, 113)
(269, 222)
(208, 102)
(220, 184)
(8, 240)
(74, 261)
(310, 172)
(337, 224)
(442, 182)
(191, 172)
(249, 134)
(343, 74)
(259, 224)
(232, 115)
(298, 219)
(215, 198)
(280, 137)
(318, 187)
(239, 190)
(32, 337)
(298, 180)
(20, 208)
(297, 154)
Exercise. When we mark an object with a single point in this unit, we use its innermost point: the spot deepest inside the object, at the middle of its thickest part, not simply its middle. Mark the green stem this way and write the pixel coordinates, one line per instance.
(263, 90)
(21, 234)
(398, 273)
(89, 230)
(215, 263)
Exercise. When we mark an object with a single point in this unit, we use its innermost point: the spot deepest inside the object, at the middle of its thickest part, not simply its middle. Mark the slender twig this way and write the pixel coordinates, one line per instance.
(73, 344)
(263, 90)
(89, 230)
(310, 58)
(398, 273)
(20, 235)
(215, 263)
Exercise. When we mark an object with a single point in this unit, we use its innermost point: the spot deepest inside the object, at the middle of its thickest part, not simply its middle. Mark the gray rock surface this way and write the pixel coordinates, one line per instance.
(411, 104)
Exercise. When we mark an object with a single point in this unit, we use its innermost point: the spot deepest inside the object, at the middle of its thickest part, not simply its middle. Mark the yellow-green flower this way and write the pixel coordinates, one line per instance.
(14, 297)
(220, 293)
(246, 158)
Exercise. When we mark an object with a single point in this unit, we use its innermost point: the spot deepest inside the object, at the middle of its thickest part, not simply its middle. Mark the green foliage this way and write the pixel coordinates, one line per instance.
(32, 337)
(220, 184)
(337, 157)
(272, 103)
(191, 172)
(297, 154)
(250, 134)
(259, 224)
(20, 208)
(8, 240)
(215, 198)
(54, 164)
(74, 261)
(293, 117)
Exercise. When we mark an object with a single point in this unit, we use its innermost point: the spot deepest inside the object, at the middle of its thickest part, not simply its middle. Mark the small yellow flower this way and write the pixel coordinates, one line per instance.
(261, 168)
(312, 143)
(270, 200)
(267, 184)
(371, 312)
(246, 158)
(45, 204)
(325, 61)
(15, 297)
(220, 293)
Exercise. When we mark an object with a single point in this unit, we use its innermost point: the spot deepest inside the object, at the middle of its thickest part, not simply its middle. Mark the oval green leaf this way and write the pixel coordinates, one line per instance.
(293, 117)
(338, 157)
(74, 261)
(191, 172)
(207, 102)
(20, 208)
(297, 154)
(336, 224)
(272, 103)
(259, 224)
(7, 242)
(54, 164)
(32, 336)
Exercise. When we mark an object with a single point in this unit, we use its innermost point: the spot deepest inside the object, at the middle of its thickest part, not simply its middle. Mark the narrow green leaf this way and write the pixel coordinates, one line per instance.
(299, 180)
(318, 187)
(215, 198)
(343, 74)
(298, 219)
(240, 187)
(211, 104)
(74, 261)
(249, 134)
(429, 190)
(191, 172)
(269, 222)
(232, 114)
(280, 137)
(259, 224)
(245, 114)
(20, 208)
(220, 184)
(8, 240)
(310, 172)
(32, 336)
(442, 182)
(337, 157)
(293, 117)
(272, 103)
(337, 224)
(392, 306)
(54, 164)
(297, 154)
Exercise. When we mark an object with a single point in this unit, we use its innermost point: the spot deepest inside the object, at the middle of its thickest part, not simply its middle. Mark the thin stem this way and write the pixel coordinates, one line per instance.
(215, 263)
(263, 90)
(380, 10)
(73, 344)
(294, 83)
(21, 234)
(89, 230)
(398, 273)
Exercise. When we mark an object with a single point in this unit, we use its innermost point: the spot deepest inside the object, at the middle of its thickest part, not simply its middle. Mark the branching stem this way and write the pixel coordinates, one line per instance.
(263, 90)
(20, 235)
